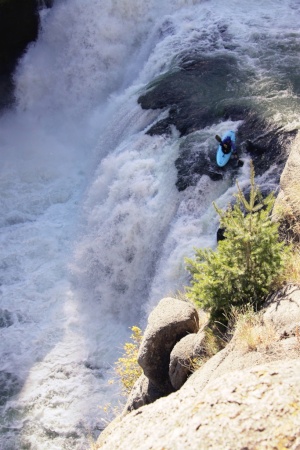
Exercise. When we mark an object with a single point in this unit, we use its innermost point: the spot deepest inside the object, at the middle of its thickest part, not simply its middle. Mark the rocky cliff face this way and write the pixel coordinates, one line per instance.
(240, 399)
(245, 397)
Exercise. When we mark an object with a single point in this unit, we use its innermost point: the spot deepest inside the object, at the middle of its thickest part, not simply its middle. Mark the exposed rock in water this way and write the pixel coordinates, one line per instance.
(10, 385)
(188, 94)
(196, 95)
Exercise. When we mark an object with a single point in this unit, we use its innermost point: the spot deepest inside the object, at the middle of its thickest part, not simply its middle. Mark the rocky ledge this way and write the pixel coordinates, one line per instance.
(240, 399)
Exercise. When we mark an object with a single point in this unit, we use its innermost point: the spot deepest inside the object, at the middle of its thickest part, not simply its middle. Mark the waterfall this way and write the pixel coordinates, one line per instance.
(93, 229)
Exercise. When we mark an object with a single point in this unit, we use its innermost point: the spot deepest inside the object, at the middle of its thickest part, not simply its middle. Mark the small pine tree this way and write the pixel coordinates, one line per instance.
(245, 263)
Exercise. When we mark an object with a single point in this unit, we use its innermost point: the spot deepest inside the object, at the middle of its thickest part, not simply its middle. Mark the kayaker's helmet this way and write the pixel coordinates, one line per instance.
(227, 140)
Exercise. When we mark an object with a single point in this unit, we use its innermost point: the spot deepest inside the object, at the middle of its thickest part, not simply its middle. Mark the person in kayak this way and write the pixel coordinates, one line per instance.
(227, 145)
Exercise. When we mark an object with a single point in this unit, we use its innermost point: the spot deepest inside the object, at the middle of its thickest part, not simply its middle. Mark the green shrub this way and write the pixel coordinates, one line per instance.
(245, 264)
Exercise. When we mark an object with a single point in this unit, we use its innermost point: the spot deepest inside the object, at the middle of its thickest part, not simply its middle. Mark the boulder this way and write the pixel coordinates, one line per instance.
(168, 323)
(181, 358)
(142, 393)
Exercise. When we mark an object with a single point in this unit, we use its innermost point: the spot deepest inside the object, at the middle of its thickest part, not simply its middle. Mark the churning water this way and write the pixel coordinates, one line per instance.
(93, 229)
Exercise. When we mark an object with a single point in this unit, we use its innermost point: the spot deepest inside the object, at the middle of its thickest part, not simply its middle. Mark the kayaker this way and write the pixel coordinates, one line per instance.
(227, 145)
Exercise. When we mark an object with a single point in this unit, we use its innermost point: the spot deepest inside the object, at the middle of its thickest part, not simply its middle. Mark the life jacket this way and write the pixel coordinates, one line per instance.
(226, 145)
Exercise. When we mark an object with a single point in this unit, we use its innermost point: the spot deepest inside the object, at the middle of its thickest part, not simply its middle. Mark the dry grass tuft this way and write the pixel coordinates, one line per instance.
(291, 274)
(250, 332)
(211, 345)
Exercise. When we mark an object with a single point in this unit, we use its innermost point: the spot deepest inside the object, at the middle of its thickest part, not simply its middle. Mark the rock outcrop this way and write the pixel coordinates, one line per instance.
(244, 397)
(170, 342)
(168, 323)
(288, 203)
(19, 24)
(251, 409)
(239, 399)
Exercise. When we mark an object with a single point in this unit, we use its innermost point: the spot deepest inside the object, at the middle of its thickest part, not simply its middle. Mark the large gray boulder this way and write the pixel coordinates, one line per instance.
(168, 323)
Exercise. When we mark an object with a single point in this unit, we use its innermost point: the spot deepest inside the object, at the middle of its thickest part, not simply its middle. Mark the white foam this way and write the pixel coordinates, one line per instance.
(93, 229)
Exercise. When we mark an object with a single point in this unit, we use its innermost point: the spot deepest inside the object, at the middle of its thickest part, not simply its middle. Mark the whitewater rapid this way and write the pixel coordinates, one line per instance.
(93, 229)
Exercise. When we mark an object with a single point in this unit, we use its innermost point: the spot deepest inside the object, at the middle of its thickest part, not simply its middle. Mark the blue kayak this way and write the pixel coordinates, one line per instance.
(223, 158)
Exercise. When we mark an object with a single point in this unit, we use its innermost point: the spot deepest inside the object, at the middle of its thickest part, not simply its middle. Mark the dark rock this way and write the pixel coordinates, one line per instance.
(194, 161)
(204, 91)
(143, 393)
(220, 234)
(188, 93)
(19, 24)
(266, 144)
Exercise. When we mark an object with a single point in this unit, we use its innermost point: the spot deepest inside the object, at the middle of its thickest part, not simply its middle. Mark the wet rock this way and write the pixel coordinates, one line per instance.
(266, 144)
(195, 160)
(203, 92)
(187, 92)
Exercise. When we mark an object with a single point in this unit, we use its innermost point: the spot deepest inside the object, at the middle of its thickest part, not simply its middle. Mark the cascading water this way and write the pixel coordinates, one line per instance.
(93, 228)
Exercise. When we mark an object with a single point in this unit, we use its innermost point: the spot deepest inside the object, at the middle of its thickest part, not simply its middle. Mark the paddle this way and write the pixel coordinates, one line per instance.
(218, 138)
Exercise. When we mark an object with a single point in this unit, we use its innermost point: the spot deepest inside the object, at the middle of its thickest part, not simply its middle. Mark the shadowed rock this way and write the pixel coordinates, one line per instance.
(143, 393)
(19, 24)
